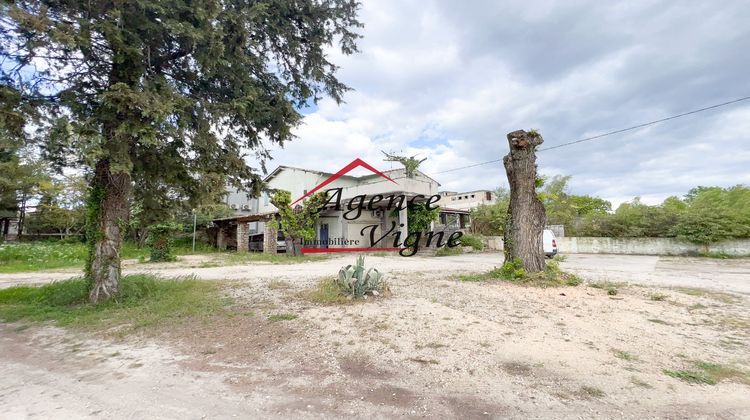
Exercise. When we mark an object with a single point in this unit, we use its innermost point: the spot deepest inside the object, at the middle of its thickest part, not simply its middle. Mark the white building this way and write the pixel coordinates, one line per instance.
(468, 200)
(332, 228)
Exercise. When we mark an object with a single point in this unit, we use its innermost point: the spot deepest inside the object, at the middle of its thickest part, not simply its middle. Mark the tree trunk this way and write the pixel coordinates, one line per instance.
(526, 216)
(293, 246)
(108, 211)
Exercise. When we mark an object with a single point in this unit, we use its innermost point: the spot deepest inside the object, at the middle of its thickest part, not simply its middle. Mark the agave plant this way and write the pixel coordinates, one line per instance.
(354, 281)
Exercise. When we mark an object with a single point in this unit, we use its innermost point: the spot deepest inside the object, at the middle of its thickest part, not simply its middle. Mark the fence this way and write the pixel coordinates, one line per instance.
(637, 246)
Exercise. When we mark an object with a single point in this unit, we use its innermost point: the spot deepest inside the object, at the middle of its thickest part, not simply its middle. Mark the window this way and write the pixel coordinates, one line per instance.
(265, 199)
(459, 198)
(472, 196)
(488, 196)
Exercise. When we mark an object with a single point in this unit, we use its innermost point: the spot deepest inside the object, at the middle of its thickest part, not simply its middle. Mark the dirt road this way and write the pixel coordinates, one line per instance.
(437, 347)
(731, 275)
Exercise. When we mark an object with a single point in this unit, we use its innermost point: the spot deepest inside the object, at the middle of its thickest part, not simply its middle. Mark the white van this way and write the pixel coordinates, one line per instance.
(550, 244)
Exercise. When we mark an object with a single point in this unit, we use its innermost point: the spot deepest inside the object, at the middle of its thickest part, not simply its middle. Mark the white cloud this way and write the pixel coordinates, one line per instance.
(448, 80)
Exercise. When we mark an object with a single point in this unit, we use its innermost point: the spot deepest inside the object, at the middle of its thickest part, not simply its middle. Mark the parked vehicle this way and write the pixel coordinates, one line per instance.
(550, 243)
(256, 242)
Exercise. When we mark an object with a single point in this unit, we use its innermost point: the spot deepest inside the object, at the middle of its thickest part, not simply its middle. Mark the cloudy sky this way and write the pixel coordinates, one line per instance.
(447, 80)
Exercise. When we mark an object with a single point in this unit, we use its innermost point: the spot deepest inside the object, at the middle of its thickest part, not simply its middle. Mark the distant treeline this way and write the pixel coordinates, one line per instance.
(704, 215)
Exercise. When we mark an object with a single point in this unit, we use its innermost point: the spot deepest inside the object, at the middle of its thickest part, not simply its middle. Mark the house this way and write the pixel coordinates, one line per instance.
(468, 200)
(334, 228)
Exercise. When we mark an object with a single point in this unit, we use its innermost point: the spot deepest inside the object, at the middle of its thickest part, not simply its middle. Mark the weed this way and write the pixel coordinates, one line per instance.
(560, 258)
(658, 297)
(448, 251)
(590, 391)
(612, 291)
(325, 292)
(620, 354)
(710, 373)
(718, 296)
(282, 317)
(658, 321)
(513, 271)
(278, 284)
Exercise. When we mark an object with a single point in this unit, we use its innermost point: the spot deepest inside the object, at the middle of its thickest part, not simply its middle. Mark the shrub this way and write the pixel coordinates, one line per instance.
(355, 282)
(475, 242)
(447, 251)
(513, 271)
(160, 241)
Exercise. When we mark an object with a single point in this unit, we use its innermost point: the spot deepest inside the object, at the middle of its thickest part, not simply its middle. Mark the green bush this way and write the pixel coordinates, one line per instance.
(160, 239)
(448, 251)
(514, 272)
(474, 241)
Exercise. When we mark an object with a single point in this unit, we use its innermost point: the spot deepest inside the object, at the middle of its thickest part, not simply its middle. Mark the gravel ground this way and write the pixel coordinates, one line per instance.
(436, 347)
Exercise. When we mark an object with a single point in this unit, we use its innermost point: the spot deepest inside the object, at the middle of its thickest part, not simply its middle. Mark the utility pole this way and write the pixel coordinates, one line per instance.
(195, 219)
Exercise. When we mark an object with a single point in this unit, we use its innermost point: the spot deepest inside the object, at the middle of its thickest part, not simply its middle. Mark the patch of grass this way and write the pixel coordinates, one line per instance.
(448, 251)
(591, 392)
(621, 354)
(658, 297)
(658, 321)
(710, 373)
(513, 272)
(239, 258)
(46, 255)
(325, 292)
(612, 288)
(710, 294)
(282, 317)
(144, 300)
(278, 284)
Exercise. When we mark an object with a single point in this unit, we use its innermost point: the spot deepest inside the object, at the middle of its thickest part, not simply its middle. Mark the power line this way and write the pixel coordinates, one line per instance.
(622, 130)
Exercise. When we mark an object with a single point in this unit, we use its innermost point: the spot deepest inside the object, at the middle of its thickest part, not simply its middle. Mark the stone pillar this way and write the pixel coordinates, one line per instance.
(243, 237)
(269, 238)
(221, 238)
(403, 219)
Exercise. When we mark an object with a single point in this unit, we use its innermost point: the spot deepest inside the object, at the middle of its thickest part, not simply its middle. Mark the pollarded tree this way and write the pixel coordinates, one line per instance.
(522, 236)
(172, 91)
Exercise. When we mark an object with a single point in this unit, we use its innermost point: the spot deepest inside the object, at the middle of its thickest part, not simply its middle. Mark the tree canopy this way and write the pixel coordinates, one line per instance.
(167, 97)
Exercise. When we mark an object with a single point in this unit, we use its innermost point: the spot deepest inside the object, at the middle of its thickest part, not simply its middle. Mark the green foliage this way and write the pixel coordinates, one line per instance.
(419, 217)
(474, 241)
(166, 96)
(355, 282)
(410, 163)
(143, 301)
(710, 373)
(298, 223)
(514, 272)
(160, 239)
(45, 255)
(490, 219)
(61, 208)
(326, 292)
(447, 251)
(282, 317)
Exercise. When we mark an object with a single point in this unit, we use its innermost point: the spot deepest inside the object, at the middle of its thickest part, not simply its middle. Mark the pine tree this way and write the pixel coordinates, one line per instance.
(168, 92)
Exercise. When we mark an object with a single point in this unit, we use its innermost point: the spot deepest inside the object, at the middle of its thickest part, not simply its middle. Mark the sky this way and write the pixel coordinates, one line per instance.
(447, 80)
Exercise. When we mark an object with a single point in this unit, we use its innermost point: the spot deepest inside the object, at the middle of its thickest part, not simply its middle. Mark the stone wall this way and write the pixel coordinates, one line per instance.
(635, 246)
(648, 246)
